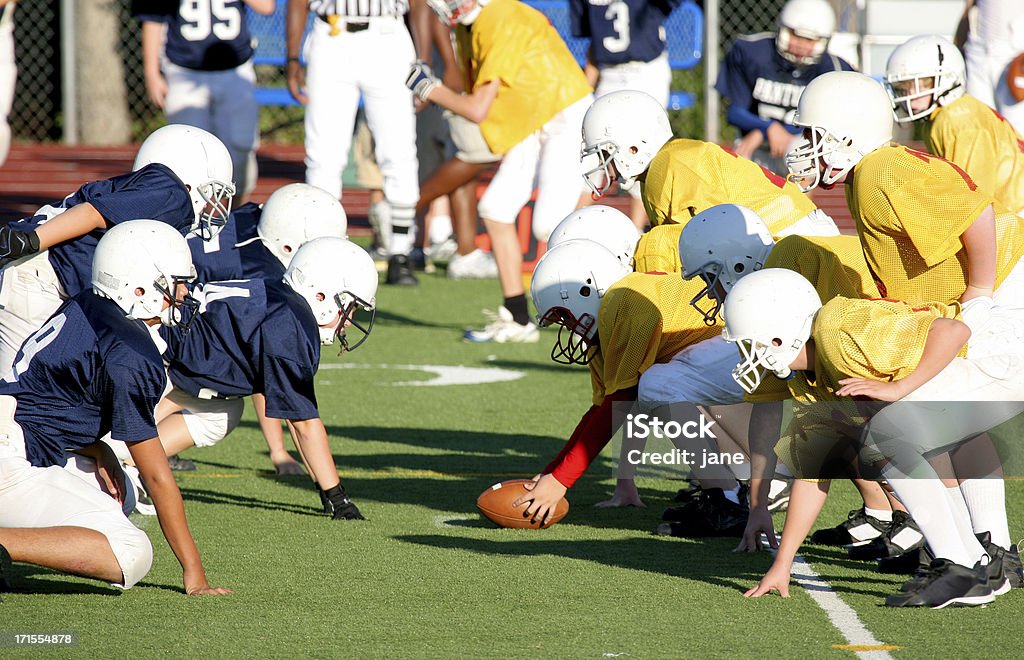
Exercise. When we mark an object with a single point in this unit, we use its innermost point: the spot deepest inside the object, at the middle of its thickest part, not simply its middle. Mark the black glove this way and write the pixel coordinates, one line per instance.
(16, 244)
(341, 507)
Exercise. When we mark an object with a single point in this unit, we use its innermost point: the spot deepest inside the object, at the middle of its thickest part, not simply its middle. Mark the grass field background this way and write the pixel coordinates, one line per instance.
(425, 576)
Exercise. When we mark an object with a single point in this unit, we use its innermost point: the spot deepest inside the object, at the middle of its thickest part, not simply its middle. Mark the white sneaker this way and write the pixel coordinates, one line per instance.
(441, 252)
(477, 265)
(501, 329)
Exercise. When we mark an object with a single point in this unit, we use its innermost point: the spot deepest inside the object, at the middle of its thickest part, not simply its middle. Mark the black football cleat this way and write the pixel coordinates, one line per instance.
(713, 515)
(902, 536)
(858, 528)
(179, 464)
(400, 271)
(945, 584)
(1000, 575)
(908, 563)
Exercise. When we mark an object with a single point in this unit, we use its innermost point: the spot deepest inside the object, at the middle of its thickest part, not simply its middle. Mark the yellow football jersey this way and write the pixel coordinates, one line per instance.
(876, 339)
(644, 319)
(835, 266)
(981, 141)
(910, 209)
(688, 176)
(657, 251)
(517, 45)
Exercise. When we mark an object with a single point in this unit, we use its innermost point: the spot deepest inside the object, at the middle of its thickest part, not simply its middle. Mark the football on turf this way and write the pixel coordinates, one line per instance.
(496, 505)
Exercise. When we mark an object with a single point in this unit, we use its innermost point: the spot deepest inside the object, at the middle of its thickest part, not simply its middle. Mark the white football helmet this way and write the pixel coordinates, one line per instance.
(810, 19)
(924, 66)
(203, 163)
(602, 224)
(147, 255)
(847, 116)
(457, 12)
(626, 128)
(720, 245)
(769, 315)
(568, 284)
(337, 278)
(298, 213)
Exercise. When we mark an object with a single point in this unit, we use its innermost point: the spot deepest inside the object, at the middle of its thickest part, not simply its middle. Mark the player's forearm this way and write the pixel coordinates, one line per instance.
(474, 106)
(764, 430)
(295, 26)
(77, 221)
(805, 504)
(980, 242)
(311, 436)
(946, 337)
(265, 7)
(588, 439)
(745, 120)
(420, 17)
(152, 45)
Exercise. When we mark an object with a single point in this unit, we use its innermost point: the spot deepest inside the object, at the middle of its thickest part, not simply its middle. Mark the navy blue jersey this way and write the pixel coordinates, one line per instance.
(252, 336)
(87, 372)
(205, 35)
(621, 31)
(153, 192)
(762, 86)
(223, 259)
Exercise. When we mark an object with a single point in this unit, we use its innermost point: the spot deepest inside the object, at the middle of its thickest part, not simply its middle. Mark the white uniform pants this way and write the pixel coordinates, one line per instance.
(8, 76)
(29, 294)
(701, 373)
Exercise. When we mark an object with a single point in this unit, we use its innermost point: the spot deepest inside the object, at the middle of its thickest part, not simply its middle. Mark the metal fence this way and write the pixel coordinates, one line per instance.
(39, 111)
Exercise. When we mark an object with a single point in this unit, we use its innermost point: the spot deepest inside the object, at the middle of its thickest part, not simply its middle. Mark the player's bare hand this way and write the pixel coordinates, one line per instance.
(156, 89)
(286, 466)
(779, 139)
(749, 143)
(197, 585)
(209, 591)
(625, 494)
(297, 81)
(544, 495)
(760, 521)
(873, 389)
(776, 579)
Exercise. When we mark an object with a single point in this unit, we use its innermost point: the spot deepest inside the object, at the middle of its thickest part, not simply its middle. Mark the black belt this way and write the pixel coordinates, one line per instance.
(348, 27)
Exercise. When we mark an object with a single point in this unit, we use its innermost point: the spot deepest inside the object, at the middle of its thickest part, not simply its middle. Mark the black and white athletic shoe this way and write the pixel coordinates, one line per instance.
(778, 494)
(857, 529)
(712, 515)
(999, 578)
(908, 563)
(945, 584)
(902, 536)
(400, 271)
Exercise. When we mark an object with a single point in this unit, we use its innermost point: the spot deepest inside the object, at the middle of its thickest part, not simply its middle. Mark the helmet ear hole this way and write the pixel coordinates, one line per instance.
(739, 267)
(776, 342)
(585, 291)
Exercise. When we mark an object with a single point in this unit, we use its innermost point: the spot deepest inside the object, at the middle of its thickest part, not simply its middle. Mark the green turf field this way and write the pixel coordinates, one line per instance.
(426, 577)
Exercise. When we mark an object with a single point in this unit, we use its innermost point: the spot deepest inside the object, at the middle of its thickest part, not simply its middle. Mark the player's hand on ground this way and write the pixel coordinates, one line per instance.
(874, 389)
(776, 579)
(286, 466)
(779, 139)
(760, 521)
(625, 494)
(749, 143)
(196, 585)
(156, 89)
(297, 81)
(544, 495)
(421, 80)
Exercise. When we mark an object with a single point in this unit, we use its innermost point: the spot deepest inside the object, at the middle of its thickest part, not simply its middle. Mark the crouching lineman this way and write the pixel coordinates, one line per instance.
(259, 243)
(887, 351)
(94, 367)
(263, 336)
(620, 323)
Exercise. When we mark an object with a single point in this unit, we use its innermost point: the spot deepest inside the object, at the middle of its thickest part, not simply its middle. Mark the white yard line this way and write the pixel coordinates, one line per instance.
(859, 639)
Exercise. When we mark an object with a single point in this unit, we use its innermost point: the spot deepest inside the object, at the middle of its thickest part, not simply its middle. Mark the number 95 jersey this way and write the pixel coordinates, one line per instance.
(205, 35)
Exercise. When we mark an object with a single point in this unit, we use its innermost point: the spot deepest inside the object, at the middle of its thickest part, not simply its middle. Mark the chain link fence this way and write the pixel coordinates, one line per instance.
(38, 113)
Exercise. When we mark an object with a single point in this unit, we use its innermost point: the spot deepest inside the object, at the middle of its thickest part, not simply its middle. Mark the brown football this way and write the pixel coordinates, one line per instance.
(1015, 77)
(496, 505)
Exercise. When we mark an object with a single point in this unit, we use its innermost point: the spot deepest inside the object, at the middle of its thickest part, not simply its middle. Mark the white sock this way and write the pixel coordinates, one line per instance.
(880, 514)
(440, 229)
(960, 513)
(986, 502)
(403, 229)
(926, 501)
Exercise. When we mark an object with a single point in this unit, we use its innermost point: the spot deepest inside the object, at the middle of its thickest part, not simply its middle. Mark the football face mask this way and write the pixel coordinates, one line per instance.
(575, 336)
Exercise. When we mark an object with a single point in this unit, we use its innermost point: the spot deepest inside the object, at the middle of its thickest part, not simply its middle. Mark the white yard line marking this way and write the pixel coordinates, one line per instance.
(859, 639)
(442, 374)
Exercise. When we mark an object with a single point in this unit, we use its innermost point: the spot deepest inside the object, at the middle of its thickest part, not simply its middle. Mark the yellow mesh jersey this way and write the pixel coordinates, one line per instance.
(876, 339)
(981, 141)
(643, 320)
(835, 266)
(517, 45)
(657, 251)
(910, 210)
(688, 176)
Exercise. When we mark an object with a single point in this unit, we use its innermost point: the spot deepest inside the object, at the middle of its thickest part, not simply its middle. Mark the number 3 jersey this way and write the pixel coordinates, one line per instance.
(207, 35)
(251, 336)
(87, 372)
(621, 31)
